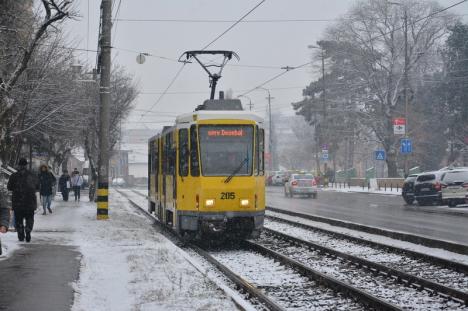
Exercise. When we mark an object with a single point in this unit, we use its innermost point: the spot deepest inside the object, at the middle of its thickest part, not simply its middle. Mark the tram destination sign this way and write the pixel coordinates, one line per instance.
(223, 133)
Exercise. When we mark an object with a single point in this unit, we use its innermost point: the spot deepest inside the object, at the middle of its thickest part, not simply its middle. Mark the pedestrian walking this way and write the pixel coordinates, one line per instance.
(46, 183)
(23, 184)
(64, 185)
(4, 215)
(76, 181)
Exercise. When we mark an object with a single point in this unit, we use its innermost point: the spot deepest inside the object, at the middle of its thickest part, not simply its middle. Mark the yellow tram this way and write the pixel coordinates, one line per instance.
(206, 172)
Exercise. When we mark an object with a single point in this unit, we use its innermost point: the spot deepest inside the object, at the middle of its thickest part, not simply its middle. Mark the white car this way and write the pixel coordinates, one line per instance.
(278, 178)
(303, 184)
(454, 186)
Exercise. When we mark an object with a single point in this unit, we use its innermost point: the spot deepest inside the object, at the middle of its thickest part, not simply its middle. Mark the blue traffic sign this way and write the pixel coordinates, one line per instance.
(380, 155)
(406, 146)
(324, 156)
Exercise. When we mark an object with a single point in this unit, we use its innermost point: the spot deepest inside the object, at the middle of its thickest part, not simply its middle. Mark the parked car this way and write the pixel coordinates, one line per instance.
(455, 187)
(408, 189)
(303, 184)
(428, 189)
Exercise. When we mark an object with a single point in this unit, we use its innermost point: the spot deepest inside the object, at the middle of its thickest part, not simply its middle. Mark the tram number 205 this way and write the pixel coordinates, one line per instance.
(228, 195)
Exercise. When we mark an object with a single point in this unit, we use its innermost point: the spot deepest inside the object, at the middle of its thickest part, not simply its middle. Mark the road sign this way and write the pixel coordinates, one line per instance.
(406, 146)
(399, 125)
(379, 155)
(324, 156)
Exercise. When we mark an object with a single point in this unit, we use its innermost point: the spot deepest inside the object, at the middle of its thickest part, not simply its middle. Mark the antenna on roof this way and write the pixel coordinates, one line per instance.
(214, 77)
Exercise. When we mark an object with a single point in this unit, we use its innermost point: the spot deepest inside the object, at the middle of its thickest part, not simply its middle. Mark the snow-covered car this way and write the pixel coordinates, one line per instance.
(455, 187)
(119, 181)
(303, 184)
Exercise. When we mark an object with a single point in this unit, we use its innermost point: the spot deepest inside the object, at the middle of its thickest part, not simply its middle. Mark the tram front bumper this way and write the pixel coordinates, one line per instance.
(218, 221)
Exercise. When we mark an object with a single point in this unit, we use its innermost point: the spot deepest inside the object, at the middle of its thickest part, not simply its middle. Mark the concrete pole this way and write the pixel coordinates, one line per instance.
(406, 88)
(104, 92)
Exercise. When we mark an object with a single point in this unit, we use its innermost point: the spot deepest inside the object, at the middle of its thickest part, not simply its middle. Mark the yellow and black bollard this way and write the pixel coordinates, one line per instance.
(103, 201)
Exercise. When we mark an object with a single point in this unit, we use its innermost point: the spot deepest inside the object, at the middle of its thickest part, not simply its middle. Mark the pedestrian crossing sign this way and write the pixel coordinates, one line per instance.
(380, 155)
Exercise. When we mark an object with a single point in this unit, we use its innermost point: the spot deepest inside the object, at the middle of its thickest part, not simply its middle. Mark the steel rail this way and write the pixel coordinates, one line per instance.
(363, 297)
(401, 277)
(236, 279)
(453, 265)
(408, 237)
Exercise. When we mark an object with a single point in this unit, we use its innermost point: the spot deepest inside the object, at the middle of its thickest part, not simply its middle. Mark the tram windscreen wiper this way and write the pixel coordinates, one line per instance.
(228, 179)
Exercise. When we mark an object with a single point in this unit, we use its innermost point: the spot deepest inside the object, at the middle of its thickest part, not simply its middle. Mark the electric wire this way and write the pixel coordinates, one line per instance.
(167, 89)
(233, 25)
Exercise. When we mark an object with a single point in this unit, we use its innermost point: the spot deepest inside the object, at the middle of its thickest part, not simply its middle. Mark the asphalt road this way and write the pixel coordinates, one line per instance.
(38, 277)
(383, 211)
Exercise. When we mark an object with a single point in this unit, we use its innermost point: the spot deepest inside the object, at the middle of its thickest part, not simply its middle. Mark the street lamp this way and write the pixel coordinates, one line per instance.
(324, 106)
(250, 100)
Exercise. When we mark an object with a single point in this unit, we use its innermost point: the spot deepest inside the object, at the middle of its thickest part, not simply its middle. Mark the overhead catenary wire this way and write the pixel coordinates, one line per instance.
(204, 48)
(233, 25)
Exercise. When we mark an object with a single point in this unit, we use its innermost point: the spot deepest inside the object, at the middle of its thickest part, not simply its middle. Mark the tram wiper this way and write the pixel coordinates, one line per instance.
(228, 179)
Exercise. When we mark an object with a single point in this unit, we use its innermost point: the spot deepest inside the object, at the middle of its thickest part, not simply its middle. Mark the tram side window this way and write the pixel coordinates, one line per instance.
(170, 155)
(155, 155)
(261, 152)
(194, 165)
(183, 152)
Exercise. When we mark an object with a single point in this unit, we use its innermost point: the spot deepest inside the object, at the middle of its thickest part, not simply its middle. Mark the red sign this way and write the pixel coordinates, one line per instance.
(399, 121)
(226, 133)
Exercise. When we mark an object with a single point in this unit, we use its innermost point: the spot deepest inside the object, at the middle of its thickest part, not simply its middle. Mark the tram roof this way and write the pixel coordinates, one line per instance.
(218, 115)
(192, 117)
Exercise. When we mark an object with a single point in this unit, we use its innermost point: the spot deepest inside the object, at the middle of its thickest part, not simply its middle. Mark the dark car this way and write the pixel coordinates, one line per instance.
(408, 189)
(428, 188)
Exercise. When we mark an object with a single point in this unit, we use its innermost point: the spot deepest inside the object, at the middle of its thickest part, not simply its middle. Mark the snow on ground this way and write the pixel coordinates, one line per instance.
(388, 191)
(437, 252)
(125, 263)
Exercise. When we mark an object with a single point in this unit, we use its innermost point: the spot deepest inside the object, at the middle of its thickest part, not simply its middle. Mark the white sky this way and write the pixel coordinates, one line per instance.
(269, 44)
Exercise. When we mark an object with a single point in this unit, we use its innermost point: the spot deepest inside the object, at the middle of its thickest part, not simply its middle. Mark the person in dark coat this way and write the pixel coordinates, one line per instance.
(64, 184)
(23, 184)
(46, 183)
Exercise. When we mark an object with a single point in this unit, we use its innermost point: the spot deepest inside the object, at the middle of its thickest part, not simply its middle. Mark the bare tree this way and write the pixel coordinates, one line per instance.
(366, 50)
(53, 12)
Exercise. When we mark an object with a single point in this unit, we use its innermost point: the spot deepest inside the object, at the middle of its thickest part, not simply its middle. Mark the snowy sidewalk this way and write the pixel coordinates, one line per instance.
(124, 263)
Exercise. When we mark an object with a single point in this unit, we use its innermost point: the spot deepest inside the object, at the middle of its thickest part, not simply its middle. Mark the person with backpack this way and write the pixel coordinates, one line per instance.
(64, 185)
(46, 183)
(23, 184)
(76, 182)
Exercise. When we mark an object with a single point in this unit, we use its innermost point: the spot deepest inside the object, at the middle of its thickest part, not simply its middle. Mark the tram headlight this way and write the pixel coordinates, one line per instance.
(209, 202)
(244, 202)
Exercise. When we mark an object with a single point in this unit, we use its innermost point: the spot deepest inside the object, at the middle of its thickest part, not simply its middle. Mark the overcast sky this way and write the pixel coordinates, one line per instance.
(261, 44)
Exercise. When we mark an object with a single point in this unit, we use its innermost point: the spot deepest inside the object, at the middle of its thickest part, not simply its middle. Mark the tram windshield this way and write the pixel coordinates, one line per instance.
(226, 150)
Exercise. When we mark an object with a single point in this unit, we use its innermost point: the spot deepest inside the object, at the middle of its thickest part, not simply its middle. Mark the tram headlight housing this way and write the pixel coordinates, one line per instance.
(209, 202)
(244, 202)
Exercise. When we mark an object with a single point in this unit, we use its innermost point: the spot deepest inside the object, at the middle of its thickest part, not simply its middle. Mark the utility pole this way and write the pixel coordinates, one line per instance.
(270, 132)
(406, 86)
(104, 94)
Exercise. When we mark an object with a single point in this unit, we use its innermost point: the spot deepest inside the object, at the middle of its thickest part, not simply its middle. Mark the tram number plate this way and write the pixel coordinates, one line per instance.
(228, 195)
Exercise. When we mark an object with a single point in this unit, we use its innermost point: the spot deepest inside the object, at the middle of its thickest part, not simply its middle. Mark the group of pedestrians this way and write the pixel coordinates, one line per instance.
(24, 184)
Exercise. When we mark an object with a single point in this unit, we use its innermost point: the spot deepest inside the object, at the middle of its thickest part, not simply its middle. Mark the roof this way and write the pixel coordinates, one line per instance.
(218, 114)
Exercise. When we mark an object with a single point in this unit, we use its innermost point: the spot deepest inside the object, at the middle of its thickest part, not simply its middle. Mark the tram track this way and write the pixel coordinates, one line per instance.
(397, 287)
(440, 281)
(306, 288)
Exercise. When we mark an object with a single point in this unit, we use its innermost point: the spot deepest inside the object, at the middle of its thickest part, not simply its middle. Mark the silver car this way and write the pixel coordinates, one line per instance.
(455, 187)
(303, 184)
